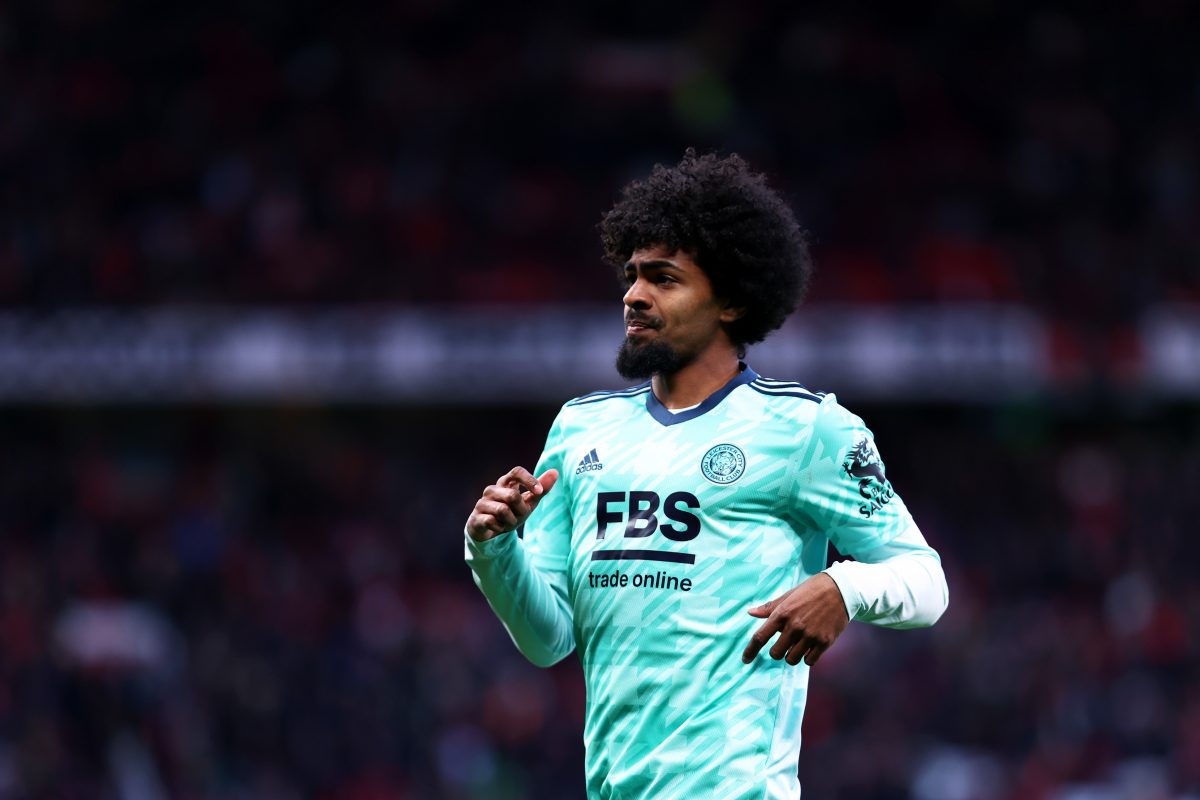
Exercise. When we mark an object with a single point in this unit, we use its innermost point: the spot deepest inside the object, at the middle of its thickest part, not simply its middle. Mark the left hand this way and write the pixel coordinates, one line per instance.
(808, 619)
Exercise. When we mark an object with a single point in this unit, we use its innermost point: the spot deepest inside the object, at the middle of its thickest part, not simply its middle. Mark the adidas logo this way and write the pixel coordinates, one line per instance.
(590, 463)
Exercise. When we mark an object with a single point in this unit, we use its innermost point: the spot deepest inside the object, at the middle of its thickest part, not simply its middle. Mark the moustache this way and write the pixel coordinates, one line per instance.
(641, 319)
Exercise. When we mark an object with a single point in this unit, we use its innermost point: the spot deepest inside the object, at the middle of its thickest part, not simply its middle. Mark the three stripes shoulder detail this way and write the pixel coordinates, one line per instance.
(774, 388)
(596, 397)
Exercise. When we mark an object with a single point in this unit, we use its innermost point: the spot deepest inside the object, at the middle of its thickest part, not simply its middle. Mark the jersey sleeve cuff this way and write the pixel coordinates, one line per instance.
(489, 548)
(845, 583)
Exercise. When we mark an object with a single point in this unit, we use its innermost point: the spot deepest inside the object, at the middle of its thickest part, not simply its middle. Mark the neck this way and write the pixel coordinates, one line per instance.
(691, 385)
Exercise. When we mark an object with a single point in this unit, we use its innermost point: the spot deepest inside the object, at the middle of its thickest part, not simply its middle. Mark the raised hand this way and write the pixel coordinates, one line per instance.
(508, 502)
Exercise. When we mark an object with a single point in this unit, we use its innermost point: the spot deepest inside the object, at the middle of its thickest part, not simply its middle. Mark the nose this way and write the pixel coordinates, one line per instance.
(635, 295)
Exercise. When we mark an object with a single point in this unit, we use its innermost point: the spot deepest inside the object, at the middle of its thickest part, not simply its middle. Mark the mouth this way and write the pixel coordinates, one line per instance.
(636, 326)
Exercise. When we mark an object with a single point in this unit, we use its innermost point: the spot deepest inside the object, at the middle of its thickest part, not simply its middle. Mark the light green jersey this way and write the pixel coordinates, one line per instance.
(664, 528)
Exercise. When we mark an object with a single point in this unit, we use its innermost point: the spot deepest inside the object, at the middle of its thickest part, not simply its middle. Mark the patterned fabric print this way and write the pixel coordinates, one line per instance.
(659, 563)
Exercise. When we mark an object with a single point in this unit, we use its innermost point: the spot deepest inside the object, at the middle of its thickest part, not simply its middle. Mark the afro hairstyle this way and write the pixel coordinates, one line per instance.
(736, 228)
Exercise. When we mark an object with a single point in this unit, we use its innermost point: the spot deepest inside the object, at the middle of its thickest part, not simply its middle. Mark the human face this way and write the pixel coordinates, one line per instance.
(671, 314)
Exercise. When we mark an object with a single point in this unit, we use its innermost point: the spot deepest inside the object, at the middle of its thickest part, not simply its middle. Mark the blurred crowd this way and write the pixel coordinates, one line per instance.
(441, 151)
(272, 604)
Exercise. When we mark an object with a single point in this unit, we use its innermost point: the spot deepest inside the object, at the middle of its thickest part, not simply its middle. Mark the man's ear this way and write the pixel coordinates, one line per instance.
(731, 312)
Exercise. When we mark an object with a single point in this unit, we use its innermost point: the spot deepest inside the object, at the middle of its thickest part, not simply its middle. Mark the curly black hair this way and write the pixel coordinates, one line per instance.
(736, 228)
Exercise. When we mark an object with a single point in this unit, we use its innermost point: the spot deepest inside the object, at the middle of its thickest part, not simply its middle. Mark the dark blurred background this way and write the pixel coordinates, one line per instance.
(282, 286)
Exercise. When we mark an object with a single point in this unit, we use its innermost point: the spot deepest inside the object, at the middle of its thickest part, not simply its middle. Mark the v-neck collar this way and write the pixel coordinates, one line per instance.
(665, 416)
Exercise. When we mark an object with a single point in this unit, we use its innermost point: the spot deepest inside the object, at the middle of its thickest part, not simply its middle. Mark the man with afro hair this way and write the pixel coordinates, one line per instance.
(671, 530)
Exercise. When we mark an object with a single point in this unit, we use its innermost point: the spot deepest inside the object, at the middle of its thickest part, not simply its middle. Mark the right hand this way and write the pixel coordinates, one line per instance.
(507, 503)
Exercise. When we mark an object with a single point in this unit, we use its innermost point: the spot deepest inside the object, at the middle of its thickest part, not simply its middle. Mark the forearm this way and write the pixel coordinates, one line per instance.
(904, 589)
(530, 603)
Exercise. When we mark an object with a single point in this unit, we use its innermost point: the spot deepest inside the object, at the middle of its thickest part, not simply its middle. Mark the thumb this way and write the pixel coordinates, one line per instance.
(547, 481)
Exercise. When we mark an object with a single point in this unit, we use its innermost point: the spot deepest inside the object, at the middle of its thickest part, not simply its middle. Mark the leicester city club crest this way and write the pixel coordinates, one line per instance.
(723, 464)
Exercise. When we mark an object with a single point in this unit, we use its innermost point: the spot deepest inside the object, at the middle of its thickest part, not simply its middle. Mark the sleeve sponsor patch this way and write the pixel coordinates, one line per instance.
(863, 465)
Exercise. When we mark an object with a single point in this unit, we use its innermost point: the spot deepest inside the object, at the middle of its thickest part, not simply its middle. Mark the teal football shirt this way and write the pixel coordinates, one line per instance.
(664, 528)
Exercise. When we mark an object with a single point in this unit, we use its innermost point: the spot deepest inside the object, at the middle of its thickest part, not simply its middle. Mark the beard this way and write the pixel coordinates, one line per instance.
(636, 361)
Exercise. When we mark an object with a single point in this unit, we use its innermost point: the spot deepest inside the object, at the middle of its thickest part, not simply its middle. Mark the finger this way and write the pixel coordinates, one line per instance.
(766, 608)
(503, 514)
(519, 476)
(486, 522)
(505, 494)
(478, 523)
(815, 654)
(546, 481)
(762, 611)
(511, 497)
(758, 639)
(798, 651)
(785, 641)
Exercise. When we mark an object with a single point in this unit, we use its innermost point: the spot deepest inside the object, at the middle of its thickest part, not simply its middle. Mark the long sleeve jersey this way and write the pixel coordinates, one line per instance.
(664, 528)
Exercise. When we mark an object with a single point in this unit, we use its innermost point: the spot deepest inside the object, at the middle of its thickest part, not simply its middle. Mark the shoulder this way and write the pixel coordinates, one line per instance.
(634, 393)
(798, 403)
(579, 416)
(580, 413)
(774, 388)
(828, 436)
(788, 400)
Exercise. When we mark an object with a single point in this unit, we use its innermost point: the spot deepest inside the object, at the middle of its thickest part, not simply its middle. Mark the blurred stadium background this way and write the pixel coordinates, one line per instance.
(284, 284)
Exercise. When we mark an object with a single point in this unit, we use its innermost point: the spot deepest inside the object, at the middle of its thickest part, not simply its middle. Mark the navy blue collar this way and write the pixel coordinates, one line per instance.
(667, 417)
